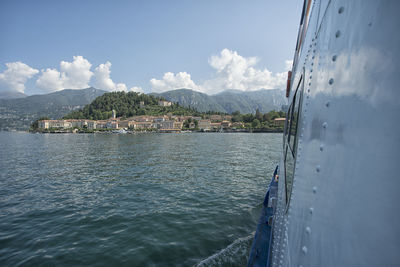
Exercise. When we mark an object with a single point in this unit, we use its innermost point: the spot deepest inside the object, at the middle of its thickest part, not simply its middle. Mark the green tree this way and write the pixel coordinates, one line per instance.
(256, 124)
(259, 116)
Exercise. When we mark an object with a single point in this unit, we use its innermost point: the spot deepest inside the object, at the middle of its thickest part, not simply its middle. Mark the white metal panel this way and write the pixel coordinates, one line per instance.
(344, 203)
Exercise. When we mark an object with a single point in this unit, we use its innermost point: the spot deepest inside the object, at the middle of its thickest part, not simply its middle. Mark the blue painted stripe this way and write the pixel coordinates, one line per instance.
(260, 250)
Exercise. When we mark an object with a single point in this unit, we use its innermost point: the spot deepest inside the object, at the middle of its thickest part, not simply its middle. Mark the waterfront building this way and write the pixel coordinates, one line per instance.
(101, 125)
(159, 119)
(196, 118)
(142, 118)
(279, 121)
(56, 124)
(78, 123)
(142, 125)
(167, 125)
(237, 125)
(216, 117)
(178, 125)
(112, 125)
(215, 125)
(91, 125)
(123, 124)
(225, 124)
(204, 125)
(44, 124)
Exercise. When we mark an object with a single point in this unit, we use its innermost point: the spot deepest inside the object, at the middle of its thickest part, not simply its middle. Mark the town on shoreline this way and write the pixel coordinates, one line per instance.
(163, 124)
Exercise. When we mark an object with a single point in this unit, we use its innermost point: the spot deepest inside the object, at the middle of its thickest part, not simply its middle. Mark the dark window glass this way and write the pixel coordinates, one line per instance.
(293, 123)
(289, 172)
(291, 137)
(287, 125)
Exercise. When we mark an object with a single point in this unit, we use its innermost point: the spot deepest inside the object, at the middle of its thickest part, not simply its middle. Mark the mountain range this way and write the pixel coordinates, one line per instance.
(229, 101)
(19, 113)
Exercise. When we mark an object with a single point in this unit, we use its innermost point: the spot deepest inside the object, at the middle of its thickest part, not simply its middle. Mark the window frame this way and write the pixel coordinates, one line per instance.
(295, 105)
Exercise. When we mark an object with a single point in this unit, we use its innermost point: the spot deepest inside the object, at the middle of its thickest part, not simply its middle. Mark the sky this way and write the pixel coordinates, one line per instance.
(146, 46)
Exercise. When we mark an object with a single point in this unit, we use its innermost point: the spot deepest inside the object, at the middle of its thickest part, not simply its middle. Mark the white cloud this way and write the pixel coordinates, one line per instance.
(136, 89)
(50, 80)
(170, 81)
(72, 75)
(104, 81)
(288, 65)
(233, 71)
(237, 72)
(76, 74)
(15, 76)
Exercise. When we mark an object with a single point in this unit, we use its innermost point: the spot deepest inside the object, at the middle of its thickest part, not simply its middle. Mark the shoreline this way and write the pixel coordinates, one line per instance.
(146, 132)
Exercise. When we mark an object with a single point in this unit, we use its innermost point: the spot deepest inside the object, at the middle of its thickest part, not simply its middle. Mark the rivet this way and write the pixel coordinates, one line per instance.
(341, 9)
(330, 81)
(314, 189)
(318, 168)
(308, 90)
(324, 125)
(308, 230)
(327, 104)
(309, 84)
(314, 51)
(312, 64)
(311, 210)
(311, 70)
(334, 58)
(310, 77)
(304, 249)
(313, 57)
(321, 147)
(337, 34)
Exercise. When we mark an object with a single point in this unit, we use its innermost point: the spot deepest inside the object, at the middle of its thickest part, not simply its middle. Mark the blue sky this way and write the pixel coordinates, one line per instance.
(198, 44)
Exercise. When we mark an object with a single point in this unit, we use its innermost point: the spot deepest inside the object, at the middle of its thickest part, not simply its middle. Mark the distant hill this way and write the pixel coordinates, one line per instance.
(128, 104)
(18, 114)
(189, 98)
(11, 94)
(229, 101)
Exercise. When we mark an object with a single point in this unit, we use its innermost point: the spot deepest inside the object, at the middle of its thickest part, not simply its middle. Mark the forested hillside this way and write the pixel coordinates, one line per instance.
(128, 105)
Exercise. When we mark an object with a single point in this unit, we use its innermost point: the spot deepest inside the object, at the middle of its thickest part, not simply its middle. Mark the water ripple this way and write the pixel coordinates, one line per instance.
(135, 200)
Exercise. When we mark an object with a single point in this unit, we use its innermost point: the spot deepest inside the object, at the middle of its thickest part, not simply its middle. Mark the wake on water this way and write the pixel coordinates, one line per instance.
(236, 254)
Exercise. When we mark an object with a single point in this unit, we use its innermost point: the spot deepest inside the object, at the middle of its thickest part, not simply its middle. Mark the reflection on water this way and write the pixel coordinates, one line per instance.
(147, 199)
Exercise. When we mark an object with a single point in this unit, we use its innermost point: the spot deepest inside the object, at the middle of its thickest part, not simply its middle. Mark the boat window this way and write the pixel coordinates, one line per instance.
(291, 144)
(292, 125)
(294, 116)
(289, 173)
(287, 125)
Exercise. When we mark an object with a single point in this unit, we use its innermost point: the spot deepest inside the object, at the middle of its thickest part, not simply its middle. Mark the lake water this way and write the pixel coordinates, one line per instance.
(132, 200)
